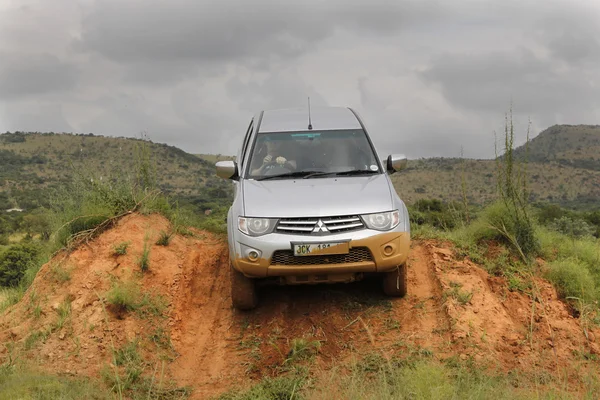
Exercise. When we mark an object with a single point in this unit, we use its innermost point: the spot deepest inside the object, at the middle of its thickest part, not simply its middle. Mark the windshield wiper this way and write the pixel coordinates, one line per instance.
(356, 172)
(296, 174)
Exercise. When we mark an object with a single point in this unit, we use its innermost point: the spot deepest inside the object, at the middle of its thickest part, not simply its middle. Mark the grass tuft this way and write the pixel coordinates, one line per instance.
(144, 259)
(164, 238)
(120, 249)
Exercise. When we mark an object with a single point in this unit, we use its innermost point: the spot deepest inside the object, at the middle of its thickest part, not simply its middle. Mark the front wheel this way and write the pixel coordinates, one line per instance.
(243, 291)
(394, 283)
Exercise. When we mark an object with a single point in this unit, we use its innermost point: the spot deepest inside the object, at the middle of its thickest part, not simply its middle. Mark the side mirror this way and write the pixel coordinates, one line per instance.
(396, 162)
(227, 169)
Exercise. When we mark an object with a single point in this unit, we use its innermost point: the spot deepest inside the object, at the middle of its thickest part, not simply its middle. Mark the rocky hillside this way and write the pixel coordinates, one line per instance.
(30, 163)
(563, 168)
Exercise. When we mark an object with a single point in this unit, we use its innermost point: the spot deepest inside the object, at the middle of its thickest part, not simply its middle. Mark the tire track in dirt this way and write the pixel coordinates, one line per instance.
(203, 316)
(422, 316)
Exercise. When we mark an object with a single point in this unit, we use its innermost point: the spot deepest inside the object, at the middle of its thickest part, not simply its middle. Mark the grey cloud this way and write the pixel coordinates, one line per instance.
(428, 76)
(44, 117)
(219, 31)
(34, 74)
(489, 81)
(571, 36)
(280, 90)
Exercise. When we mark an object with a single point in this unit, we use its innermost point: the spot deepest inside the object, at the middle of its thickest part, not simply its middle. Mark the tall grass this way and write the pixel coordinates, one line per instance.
(423, 379)
(573, 264)
(511, 218)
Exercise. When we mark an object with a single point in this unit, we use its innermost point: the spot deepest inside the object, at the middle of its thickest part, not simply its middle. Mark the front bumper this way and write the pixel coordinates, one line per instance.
(387, 251)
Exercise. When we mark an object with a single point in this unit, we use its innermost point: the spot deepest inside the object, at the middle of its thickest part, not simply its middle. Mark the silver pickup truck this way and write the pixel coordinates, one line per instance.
(313, 204)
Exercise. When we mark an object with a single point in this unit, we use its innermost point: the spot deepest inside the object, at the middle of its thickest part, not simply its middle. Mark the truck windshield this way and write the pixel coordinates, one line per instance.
(311, 154)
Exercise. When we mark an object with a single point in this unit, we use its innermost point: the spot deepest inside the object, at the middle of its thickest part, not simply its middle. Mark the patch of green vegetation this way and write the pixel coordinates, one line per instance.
(128, 376)
(283, 387)
(463, 297)
(64, 312)
(127, 296)
(123, 296)
(427, 379)
(33, 338)
(151, 305)
(121, 249)
(436, 213)
(164, 238)
(144, 259)
(15, 261)
(302, 349)
(573, 279)
(25, 383)
(59, 273)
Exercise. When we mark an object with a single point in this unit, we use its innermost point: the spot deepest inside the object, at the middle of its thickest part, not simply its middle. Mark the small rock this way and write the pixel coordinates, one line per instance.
(91, 356)
(61, 336)
(463, 357)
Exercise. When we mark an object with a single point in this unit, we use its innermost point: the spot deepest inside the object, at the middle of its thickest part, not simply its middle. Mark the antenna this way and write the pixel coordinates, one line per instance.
(309, 120)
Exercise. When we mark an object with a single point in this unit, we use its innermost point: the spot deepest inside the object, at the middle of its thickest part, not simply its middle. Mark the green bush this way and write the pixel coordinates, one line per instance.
(4, 240)
(572, 227)
(497, 222)
(572, 279)
(555, 245)
(15, 261)
(434, 212)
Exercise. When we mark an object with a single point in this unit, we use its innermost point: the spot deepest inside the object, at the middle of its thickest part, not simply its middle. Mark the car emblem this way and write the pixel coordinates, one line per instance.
(320, 227)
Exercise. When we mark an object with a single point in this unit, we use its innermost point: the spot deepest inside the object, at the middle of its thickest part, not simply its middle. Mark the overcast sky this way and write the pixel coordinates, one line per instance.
(427, 76)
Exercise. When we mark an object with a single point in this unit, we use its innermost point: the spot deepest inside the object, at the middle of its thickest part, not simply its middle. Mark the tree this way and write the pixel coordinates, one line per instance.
(37, 223)
(15, 261)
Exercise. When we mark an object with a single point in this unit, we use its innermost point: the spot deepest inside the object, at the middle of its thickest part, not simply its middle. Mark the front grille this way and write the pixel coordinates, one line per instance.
(319, 225)
(356, 254)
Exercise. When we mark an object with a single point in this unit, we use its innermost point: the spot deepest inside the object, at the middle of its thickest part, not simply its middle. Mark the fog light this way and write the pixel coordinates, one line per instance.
(388, 250)
(253, 255)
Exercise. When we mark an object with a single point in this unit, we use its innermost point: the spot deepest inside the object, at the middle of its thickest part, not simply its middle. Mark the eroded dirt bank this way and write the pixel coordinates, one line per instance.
(454, 309)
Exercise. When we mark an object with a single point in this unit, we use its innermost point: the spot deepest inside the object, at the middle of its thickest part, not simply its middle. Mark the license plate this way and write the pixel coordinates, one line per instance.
(315, 249)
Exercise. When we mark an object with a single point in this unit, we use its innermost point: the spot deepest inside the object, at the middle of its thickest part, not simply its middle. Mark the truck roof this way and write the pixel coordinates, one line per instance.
(296, 119)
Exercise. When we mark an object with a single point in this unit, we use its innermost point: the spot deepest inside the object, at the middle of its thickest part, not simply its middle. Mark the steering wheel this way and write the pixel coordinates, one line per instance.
(277, 169)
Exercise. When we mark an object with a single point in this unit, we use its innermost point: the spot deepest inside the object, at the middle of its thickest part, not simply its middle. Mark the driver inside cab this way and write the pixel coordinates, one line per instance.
(272, 155)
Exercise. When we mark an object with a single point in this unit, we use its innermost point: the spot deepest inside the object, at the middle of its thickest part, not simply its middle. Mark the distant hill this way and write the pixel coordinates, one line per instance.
(572, 145)
(32, 162)
(564, 168)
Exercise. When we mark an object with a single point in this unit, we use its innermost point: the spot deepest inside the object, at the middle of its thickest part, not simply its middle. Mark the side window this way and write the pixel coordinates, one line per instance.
(245, 145)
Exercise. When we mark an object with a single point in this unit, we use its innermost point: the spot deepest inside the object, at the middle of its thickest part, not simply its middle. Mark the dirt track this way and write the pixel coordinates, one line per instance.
(454, 309)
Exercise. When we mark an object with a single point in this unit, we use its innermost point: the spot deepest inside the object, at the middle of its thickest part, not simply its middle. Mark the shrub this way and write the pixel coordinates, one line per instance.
(572, 227)
(572, 279)
(516, 225)
(434, 212)
(15, 261)
(497, 222)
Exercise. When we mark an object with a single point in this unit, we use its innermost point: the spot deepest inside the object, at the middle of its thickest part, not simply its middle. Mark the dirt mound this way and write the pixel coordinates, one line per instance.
(454, 309)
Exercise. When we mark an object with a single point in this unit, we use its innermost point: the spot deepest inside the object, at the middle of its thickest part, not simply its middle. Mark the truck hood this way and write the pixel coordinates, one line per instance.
(317, 197)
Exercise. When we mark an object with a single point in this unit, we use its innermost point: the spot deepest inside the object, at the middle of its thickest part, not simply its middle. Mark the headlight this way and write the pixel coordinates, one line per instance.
(255, 226)
(382, 221)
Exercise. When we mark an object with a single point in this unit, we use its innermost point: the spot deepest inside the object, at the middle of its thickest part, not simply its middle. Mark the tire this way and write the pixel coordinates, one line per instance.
(394, 283)
(243, 291)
